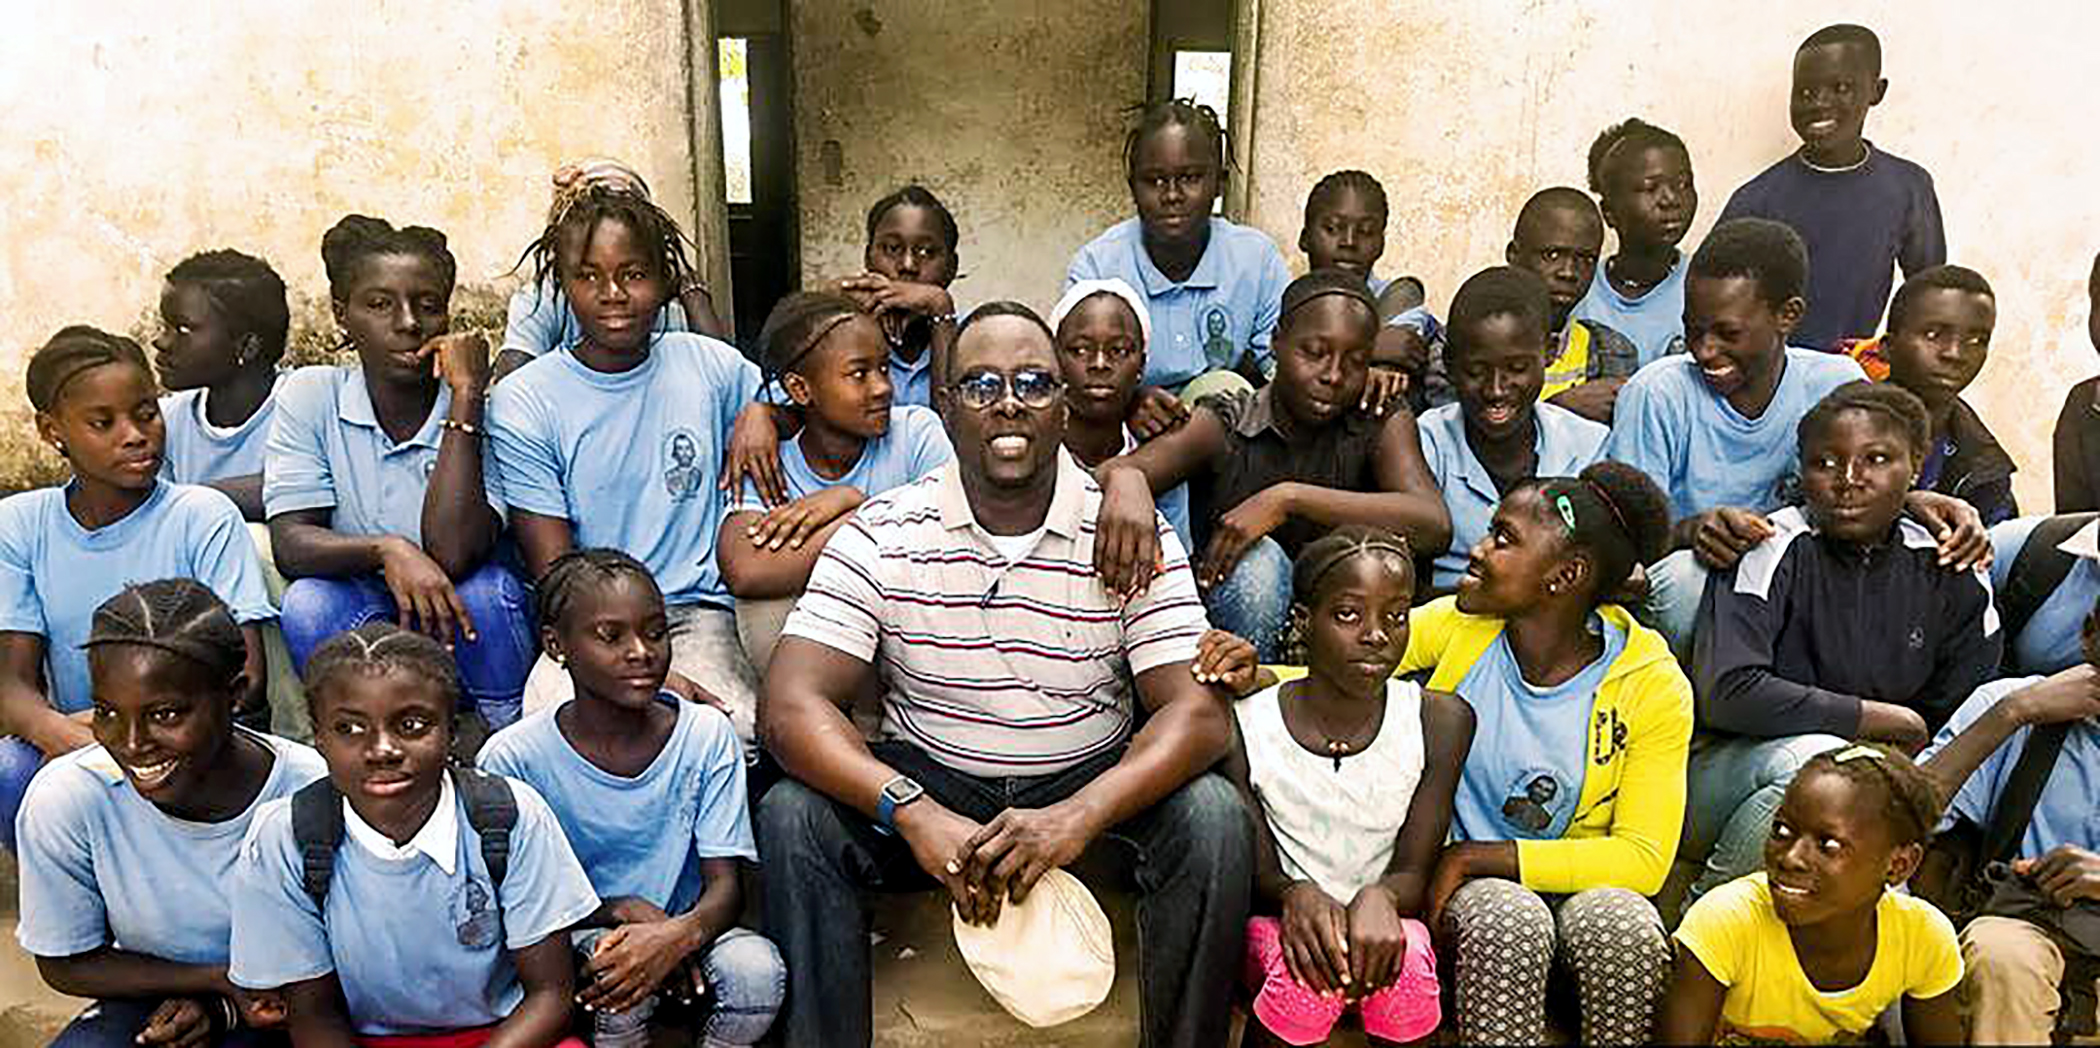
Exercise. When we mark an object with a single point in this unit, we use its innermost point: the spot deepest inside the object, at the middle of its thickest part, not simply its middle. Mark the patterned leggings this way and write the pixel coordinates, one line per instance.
(1506, 938)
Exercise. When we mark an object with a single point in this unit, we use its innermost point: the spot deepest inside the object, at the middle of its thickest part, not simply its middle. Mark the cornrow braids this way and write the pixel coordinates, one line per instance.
(796, 326)
(1622, 140)
(573, 571)
(916, 195)
(1328, 189)
(376, 648)
(73, 352)
(1317, 561)
(358, 237)
(1177, 112)
(595, 203)
(1911, 804)
(245, 291)
(182, 617)
(1898, 406)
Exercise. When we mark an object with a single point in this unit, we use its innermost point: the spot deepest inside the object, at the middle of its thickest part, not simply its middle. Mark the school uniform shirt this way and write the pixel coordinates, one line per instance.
(1586, 350)
(1566, 443)
(415, 933)
(2050, 640)
(1653, 320)
(629, 459)
(1858, 223)
(1803, 628)
(915, 444)
(1969, 464)
(1703, 453)
(1262, 450)
(2063, 812)
(1738, 936)
(327, 451)
(1226, 309)
(197, 452)
(2074, 447)
(1587, 777)
(102, 866)
(644, 835)
(1334, 824)
(539, 319)
(55, 573)
(996, 664)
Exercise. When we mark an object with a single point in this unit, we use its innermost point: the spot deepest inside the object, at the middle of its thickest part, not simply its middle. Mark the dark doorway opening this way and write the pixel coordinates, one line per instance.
(756, 80)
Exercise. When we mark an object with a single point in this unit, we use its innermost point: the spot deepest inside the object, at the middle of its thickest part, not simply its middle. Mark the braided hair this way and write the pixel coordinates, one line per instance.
(1614, 513)
(1316, 564)
(1178, 112)
(1910, 802)
(587, 205)
(796, 326)
(182, 617)
(1621, 141)
(355, 238)
(245, 291)
(576, 569)
(1898, 407)
(1321, 283)
(73, 352)
(378, 648)
(1330, 188)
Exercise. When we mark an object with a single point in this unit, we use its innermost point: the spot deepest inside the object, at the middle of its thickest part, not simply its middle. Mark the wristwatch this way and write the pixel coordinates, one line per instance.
(896, 793)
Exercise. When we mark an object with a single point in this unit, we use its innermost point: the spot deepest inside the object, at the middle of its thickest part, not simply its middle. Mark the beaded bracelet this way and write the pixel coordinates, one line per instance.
(468, 428)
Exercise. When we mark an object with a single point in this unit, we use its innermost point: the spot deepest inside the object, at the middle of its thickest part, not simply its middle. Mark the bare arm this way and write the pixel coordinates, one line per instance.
(1447, 736)
(1691, 1011)
(769, 555)
(303, 545)
(459, 527)
(246, 493)
(316, 1016)
(255, 670)
(541, 539)
(1934, 1020)
(700, 312)
(107, 972)
(548, 975)
(25, 710)
(1126, 535)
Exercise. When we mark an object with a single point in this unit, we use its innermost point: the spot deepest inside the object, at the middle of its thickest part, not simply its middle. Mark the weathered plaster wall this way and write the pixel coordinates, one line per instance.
(1462, 110)
(138, 132)
(1010, 112)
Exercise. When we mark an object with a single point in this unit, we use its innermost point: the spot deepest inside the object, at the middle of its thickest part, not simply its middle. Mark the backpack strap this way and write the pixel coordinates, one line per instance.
(492, 809)
(2023, 789)
(2037, 570)
(317, 828)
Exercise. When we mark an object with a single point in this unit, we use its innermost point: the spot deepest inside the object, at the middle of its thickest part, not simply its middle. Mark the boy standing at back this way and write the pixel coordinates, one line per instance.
(1642, 176)
(1862, 211)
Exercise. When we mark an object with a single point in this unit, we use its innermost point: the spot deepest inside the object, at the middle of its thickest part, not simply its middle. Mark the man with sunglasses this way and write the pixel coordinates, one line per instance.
(1012, 739)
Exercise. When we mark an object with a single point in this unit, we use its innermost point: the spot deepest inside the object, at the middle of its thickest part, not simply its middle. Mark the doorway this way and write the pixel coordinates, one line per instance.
(755, 78)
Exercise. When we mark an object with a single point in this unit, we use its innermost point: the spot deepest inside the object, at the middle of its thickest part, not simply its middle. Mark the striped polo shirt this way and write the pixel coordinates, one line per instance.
(996, 668)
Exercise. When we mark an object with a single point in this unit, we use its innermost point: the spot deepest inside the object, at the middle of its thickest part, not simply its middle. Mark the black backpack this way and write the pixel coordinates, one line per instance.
(317, 826)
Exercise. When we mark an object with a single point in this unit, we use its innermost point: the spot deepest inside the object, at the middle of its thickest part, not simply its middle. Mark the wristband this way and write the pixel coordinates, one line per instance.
(456, 425)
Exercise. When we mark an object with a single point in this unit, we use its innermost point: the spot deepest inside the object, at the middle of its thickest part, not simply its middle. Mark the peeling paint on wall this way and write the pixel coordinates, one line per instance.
(1462, 110)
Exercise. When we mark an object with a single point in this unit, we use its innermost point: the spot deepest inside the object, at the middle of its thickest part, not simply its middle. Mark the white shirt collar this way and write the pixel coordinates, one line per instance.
(2085, 542)
(438, 839)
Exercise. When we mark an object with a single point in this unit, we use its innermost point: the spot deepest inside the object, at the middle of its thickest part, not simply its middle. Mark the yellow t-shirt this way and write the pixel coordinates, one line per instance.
(1571, 368)
(1737, 935)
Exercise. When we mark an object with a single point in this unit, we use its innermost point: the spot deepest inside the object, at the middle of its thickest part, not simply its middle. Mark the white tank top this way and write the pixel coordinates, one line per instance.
(1335, 826)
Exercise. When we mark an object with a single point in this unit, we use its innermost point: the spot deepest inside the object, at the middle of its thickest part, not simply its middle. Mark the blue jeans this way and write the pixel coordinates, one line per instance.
(1676, 584)
(745, 984)
(1255, 600)
(1191, 856)
(18, 764)
(492, 667)
(116, 1024)
(1734, 786)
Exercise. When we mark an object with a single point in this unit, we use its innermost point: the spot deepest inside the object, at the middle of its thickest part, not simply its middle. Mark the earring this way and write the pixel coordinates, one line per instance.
(59, 446)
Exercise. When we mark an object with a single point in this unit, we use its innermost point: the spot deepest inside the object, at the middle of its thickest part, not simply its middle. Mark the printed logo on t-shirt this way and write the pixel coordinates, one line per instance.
(681, 458)
(1534, 801)
(474, 921)
(1218, 346)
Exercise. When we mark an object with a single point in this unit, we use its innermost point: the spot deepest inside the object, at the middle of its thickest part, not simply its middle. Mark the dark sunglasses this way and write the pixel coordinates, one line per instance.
(1035, 388)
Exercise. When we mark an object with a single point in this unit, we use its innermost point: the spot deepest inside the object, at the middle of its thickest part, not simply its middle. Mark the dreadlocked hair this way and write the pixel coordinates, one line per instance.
(73, 352)
(797, 325)
(245, 291)
(1898, 407)
(378, 648)
(573, 571)
(1177, 112)
(1316, 564)
(1327, 190)
(1910, 803)
(583, 210)
(1622, 140)
(1613, 512)
(182, 617)
(915, 195)
(358, 237)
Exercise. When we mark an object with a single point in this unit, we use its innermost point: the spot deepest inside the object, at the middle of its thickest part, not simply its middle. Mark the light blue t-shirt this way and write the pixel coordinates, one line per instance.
(417, 950)
(102, 866)
(642, 836)
(540, 320)
(1654, 321)
(2063, 814)
(2051, 639)
(1524, 774)
(630, 459)
(1226, 308)
(1566, 443)
(55, 573)
(1704, 454)
(915, 444)
(198, 452)
(327, 451)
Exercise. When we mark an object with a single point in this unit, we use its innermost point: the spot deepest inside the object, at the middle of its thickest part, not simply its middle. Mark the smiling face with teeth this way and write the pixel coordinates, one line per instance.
(1834, 86)
(1006, 451)
(167, 725)
(1832, 850)
(1498, 366)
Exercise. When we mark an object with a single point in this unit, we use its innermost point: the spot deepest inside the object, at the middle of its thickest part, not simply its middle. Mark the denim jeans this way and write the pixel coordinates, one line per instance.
(116, 1024)
(1190, 855)
(705, 649)
(1255, 600)
(1676, 584)
(1734, 786)
(492, 667)
(19, 762)
(745, 982)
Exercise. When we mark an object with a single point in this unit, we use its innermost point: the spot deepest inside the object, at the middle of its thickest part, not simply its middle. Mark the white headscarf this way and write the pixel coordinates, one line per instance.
(1086, 289)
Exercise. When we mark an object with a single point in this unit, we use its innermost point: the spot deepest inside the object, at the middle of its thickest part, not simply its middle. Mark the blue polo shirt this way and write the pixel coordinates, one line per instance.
(1653, 321)
(2063, 814)
(55, 573)
(1226, 308)
(198, 452)
(541, 321)
(2050, 640)
(327, 451)
(629, 459)
(1704, 454)
(1565, 442)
